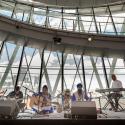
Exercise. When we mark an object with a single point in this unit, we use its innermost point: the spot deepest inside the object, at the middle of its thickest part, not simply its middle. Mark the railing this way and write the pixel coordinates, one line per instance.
(105, 22)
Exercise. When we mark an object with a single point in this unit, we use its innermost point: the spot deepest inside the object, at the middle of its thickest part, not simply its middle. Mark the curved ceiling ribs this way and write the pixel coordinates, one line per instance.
(90, 43)
(37, 37)
(72, 3)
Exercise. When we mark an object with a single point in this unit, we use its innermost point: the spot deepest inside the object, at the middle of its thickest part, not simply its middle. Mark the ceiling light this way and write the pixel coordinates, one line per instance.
(89, 39)
(57, 40)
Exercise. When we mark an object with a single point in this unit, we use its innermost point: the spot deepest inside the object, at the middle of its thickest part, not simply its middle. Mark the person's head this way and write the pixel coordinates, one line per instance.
(17, 89)
(114, 77)
(79, 87)
(45, 89)
(67, 93)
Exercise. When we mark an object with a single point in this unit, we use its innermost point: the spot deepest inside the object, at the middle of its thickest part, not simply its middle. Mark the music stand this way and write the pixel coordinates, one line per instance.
(26, 95)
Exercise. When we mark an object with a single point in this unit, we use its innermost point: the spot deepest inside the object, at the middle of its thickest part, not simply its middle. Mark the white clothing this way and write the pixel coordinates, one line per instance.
(117, 84)
(79, 98)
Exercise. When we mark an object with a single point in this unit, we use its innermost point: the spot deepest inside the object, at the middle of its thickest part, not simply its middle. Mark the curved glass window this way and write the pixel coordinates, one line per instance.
(101, 20)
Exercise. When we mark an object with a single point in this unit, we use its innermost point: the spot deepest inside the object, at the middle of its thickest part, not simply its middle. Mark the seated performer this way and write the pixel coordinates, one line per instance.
(115, 95)
(79, 95)
(42, 101)
(46, 101)
(18, 95)
(34, 100)
(67, 99)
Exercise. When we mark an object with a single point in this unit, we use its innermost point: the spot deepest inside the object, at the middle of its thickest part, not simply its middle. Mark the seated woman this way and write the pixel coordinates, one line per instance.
(42, 101)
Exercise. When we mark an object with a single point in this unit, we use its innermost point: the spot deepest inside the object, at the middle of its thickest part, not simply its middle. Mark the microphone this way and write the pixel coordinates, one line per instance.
(5, 91)
(60, 94)
(29, 89)
(25, 87)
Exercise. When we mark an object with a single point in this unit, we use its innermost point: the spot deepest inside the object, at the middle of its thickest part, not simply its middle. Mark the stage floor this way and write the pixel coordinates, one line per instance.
(106, 114)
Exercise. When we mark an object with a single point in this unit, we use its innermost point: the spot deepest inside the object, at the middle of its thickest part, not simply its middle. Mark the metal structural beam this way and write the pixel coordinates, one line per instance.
(91, 77)
(112, 20)
(77, 71)
(46, 73)
(19, 69)
(96, 72)
(96, 27)
(59, 76)
(84, 78)
(8, 68)
(13, 12)
(112, 68)
(62, 73)
(105, 73)
(28, 67)
(78, 20)
(47, 19)
(28, 70)
(123, 28)
(62, 26)
(47, 77)
(81, 24)
(2, 45)
(41, 71)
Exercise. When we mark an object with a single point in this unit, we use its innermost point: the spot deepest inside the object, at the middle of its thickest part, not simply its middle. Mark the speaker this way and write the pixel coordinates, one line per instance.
(84, 110)
(8, 108)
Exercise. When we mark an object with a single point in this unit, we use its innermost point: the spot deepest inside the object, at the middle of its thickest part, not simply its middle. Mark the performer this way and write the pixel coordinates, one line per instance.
(41, 101)
(67, 99)
(80, 94)
(46, 101)
(115, 95)
(17, 94)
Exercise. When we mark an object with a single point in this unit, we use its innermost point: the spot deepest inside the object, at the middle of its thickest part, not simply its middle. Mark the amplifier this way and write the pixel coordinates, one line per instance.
(84, 110)
(8, 108)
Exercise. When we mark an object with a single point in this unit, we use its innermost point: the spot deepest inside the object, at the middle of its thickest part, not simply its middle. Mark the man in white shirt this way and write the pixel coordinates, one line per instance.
(115, 95)
(116, 83)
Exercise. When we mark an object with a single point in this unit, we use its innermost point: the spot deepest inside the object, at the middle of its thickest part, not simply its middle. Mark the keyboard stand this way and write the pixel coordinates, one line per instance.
(120, 108)
(99, 99)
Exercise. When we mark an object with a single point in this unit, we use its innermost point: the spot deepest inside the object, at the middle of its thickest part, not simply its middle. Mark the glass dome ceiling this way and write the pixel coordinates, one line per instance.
(108, 19)
(72, 3)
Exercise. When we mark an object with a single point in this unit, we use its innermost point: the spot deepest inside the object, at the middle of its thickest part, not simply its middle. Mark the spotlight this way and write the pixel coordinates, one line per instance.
(90, 39)
(17, 27)
(57, 40)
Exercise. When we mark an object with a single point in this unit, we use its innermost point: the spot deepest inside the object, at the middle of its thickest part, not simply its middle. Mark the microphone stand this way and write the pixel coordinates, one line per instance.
(25, 94)
(26, 98)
